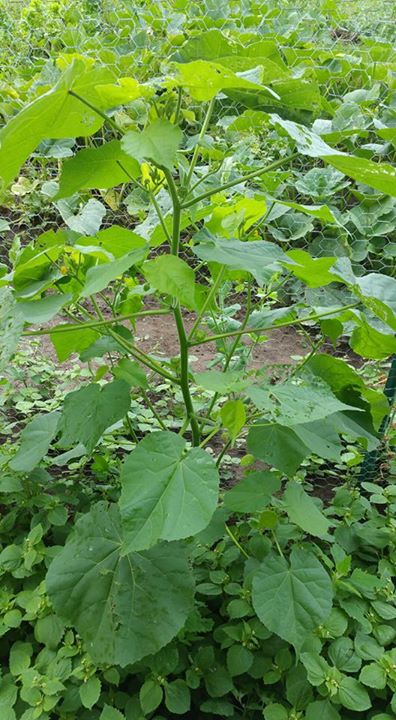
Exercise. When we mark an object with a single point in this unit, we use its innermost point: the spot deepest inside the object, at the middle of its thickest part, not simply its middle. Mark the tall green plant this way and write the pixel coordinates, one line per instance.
(123, 578)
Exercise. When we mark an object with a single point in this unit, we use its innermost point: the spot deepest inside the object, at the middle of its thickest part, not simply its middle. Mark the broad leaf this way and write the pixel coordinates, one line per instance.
(69, 339)
(100, 276)
(252, 493)
(204, 80)
(171, 275)
(233, 417)
(36, 437)
(380, 176)
(178, 496)
(352, 695)
(115, 240)
(292, 404)
(102, 167)
(124, 606)
(89, 411)
(277, 445)
(131, 372)
(54, 114)
(302, 588)
(304, 512)
(87, 220)
(159, 142)
(11, 327)
(259, 257)
(43, 310)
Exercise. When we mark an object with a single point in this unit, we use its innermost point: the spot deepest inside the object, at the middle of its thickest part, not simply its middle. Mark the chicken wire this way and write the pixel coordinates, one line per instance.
(135, 38)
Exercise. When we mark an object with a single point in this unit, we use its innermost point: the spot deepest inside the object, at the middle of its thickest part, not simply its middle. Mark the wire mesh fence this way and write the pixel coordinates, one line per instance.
(346, 46)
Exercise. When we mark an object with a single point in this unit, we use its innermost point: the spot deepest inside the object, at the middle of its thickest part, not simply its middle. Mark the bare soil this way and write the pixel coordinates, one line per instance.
(158, 335)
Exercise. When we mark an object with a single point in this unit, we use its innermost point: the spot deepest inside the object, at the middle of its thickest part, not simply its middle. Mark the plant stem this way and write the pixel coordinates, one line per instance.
(143, 358)
(153, 410)
(161, 218)
(96, 110)
(244, 323)
(176, 210)
(131, 430)
(210, 436)
(199, 141)
(242, 178)
(184, 375)
(95, 323)
(223, 452)
(254, 331)
(235, 541)
(178, 105)
(207, 302)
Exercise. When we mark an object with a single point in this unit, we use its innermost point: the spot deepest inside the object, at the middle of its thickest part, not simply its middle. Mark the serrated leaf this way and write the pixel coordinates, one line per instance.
(352, 695)
(304, 512)
(111, 713)
(124, 606)
(36, 438)
(302, 588)
(322, 709)
(239, 660)
(159, 143)
(89, 411)
(177, 697)
(90, 692)
(178, 497)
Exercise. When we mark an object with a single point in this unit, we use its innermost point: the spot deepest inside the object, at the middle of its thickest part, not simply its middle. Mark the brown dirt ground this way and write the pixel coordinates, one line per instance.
(158, 336)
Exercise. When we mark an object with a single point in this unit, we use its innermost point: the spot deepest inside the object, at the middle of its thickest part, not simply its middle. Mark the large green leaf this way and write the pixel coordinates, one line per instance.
(345, 382)
(168, 492)
(44, 309)
(292, 404)
(304, 512)
(124, 606)
(159, 142)
(171, 275)
(301, 587)
(36, 437)
(259, 257)
(204, 80)
(370, 343)
(115, 240)
(100, 276)
(55, 114)
(252, 493)
(69, 339)
(380, 176)
(277, 445)
(11, 326)
(102, 167)
(89, 411)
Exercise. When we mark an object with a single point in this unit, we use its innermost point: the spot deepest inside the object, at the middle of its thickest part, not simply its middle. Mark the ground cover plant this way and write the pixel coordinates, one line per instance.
(229, 178)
